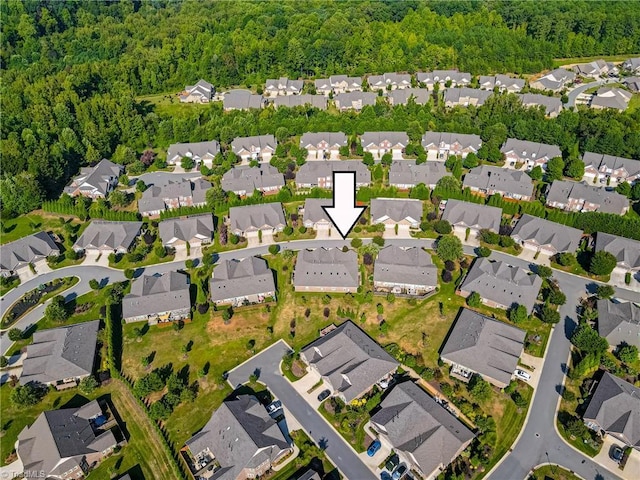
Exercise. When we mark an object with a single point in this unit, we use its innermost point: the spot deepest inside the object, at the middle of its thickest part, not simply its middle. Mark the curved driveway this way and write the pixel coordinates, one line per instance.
(573, 94)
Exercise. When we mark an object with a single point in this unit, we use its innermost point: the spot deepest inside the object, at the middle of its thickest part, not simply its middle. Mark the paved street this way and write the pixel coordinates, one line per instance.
(573, 94)
(267, 366)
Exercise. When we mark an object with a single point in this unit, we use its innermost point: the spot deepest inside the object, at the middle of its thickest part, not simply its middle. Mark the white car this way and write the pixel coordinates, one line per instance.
(522, 375)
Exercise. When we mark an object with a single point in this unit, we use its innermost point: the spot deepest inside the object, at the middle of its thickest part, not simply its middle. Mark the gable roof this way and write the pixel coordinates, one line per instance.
(420, 96)
(550, 104)
(486, 346)
(291, 101)
(465, 95)
(313, 211)
(619, 322)
(186, 229)
(241, 99)
(415, 423)
(411, 266)
(310, 172)
(608, 201)
(60, 353)
(606, 162)
(396, 210)
(556, 79)
(530, 151)
(374, 139)
(254, 144)
(447, 139)
(502, 283)
(284, 84)
(408, 172)
(443, 76)
(26, 250)
(486, 177)
(114, 235)
(355, 99)
(326, 267)
(349, 352)
(240, 434)
(158, 293)
(314, 139)
(247, 179)
(269, 215)
(397, 79)
(547, 233)
(202, 88)
(97, 177)
(198, 150)
(153, 198)
(611, 97)
(626, 250)
(615, 406)
(240, 278)
(472, 215)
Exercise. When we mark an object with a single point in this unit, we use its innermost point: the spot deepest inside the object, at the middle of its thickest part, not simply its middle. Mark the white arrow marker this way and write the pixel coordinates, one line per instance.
(343, 212)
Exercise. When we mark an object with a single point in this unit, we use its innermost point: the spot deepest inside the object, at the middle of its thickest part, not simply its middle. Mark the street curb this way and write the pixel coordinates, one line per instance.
(556, 465)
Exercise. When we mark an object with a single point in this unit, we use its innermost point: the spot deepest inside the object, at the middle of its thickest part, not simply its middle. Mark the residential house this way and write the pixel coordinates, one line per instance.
(260, 148)
(477, 344)
(184, 192)
(30, 250)
(106, 237)
(444, 78)
(283, 86)
(426, 436)
(396, 213)
(546, 237)
(556, 80)
(240, 441)
(200, 152)
(465, 96)
(531, 154)
(326, 270)
(241, 99)
(610, 97)
(255, 221)
(619, 323)
(632, 65)
(354, 100)
(201, 92)
(338, 84)
(310, 475)
(239, 282)
(420, 96)
(489, 180)
(504, 83)
(552, 105)
(315, 217)
(581, 197)
(473, 216)
(595, 69)
(196, 230)
(406, 174)
(61, 356)
(65, 444)
(95, 182)
(389, 81)
(626, 251)
(380, 143)
(610, 170)
(323, 145)
(408, 271)
(157, 298)
(349, 361)
(244, 180)
(439, 145)
(304, 100)
(320, 174)
(501, 285)
(632, 83)
(614, 409)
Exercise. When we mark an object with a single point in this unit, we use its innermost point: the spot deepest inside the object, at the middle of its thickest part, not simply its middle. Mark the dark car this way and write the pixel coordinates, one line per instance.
(384, 475)
(392, 462)
(617, 453)
(399, 472)
(323, 394)
(373, 448)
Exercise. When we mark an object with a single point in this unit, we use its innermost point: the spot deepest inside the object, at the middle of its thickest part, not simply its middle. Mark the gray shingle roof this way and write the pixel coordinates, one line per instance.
(606, 162)
(186, 229)
(429, 78)
(632, 83)
(240, 278)
(530, 151)
(283, 84)
(551, 104)
(591, 68)
(60, 353)
(486, 346)
(199, 150)
(610, 97)
(98, 177)
(420, 96)
(241, 100)
(290, 101)
(248, 179)
(415, 423)
(326, 267)
(502, 283)
(514, 182)
(323, 140)
(546, 233)
(27, 250)
(57, 435)
(411, 266)
(160, 197)
(112, 235)
(396, 210)
(355, 100)
(455, 141)
(154, 294)
(257, 143)
(375, 139)
(311, 172)
(202, 88)
(407, 172)
(472, 215)
(615, 406)
(466, 96)
(240, 434)
(626, 250)
(257, 217)
(554, 80)
(349, 351)
(608, 201)
(394, 79)
(313, 211)
(619, 322)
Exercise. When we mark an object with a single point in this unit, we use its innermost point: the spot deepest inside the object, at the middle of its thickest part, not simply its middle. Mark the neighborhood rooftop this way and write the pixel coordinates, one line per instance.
(530, 151)
(407, 173)
(513, 183)
(396, 210)
(619, 323)
(199, 150)
(255, 217)
(472, 215)
(567, 193)
(102, 234)
(193, 228)
(26, 250)
(241, 278)
(543, 233)
(626, 250)
(158, 293)
(324, 267)
(248, 179)
(410, 266)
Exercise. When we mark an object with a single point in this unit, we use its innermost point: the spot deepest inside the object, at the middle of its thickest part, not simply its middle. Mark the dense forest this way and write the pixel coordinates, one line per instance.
(72, 71)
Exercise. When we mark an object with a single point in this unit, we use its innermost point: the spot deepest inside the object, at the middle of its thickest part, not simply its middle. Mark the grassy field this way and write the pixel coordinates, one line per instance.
(34, 222)
(169, 103)
(634, 104)
(553, 472)
(558, 62)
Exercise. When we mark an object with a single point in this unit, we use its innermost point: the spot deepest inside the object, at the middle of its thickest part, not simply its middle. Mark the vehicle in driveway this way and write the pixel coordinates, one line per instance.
(384, 475)
(392, 463)
(274, 406)
(522, 375)
(399, 472)
(373, 448)
(617, 453)
(323, 395)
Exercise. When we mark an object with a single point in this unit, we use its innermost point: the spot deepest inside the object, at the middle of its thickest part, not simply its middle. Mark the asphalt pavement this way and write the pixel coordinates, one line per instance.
(573, 94)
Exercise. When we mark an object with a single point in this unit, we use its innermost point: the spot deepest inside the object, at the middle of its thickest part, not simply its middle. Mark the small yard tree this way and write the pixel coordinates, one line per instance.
(479, 388)
(627, 354)
(187, 163)
(449, 247)
(356, 243)
(483, 251)
(443, 227)
(518, 314)
(602, 263)
(57, 310)
(549, 314)
(605, 291)
(94, 284)
(26, 395)
(15, 334)
(587, 340)
(473, 300)
(88, 385)
(378, 241)
(543, 271)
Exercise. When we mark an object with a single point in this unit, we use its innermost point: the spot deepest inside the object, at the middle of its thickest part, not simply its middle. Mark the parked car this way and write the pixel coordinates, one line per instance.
(384, 475)
(392, 462)
(522, 375)
(373, 448)
(399, 472)
(274, 406)
(617, 453)
(323, 395)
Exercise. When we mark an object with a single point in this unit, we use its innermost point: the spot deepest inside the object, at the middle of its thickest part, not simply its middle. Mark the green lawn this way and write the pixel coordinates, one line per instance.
(634, 104)
(552, 472)
(558, 62)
